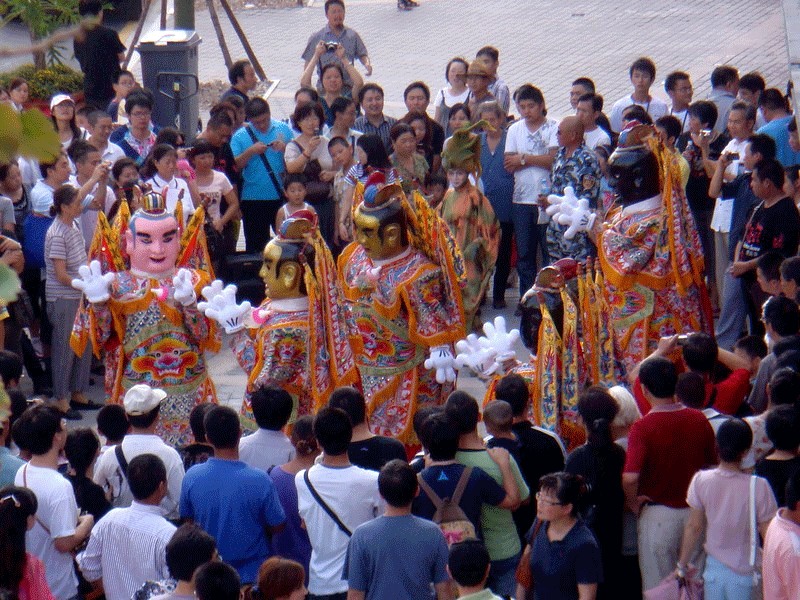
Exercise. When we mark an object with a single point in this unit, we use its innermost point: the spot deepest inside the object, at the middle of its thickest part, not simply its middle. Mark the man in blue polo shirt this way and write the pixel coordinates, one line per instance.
(258, 150)
(236, 504)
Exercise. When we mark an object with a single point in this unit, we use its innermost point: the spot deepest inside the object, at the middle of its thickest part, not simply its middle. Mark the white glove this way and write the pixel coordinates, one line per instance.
(93, 283)
(183, 290)
(441, 359)
(500, 340)
(476, 355)
(571, 211)
(221, 306)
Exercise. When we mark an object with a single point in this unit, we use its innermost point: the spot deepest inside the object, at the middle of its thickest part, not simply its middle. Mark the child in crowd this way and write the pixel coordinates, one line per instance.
(468, 565)
(200, 451)
(160, 172)
(269, 446)
(112, 423)
(295, 189)
(779, 465)
(752, 348)
(437, 187)
(498, 418)
(82, 449)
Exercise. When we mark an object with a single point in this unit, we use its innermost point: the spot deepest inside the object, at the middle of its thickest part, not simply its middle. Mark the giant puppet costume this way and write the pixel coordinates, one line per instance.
(401, 279)
(649, 250)
(297, 338)
(142, 310)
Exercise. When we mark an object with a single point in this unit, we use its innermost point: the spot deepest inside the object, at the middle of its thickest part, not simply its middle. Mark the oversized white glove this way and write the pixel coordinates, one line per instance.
(93, 283)
(474, 354)
(183, 290)
(501, 340)
(441, 359)
(220, 305)
(571, 211)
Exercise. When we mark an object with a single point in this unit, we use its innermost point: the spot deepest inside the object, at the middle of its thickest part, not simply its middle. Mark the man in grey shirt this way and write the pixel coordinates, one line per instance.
(333, 33)
(724, 87)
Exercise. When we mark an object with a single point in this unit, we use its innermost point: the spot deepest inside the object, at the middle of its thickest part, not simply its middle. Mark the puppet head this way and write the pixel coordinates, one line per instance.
(153, 237)
(380, 220)
(633, 168)
(287, 256)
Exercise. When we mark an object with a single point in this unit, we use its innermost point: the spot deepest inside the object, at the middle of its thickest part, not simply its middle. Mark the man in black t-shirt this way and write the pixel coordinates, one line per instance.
(366, 450)
(541, 452)
(99, 55)
(773, 225)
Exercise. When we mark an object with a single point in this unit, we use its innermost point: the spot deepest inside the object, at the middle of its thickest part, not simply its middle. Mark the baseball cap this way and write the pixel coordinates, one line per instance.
(58, 99)
(141, 399)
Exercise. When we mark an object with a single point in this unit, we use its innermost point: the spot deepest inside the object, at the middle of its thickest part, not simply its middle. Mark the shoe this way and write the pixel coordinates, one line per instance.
(412, 3)
(80, 402)
(73, 415)
(499, 304)
(403, 5)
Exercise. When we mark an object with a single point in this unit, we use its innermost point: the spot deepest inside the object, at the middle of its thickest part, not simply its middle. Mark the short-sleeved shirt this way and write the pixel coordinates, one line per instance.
(497, 524)
(58, 513)
(723, 496)
(177, 191)
(396, 557)
(654, 107)
(772, 228)
(66, 243)
(778, 473)
(382, 131)
(521, 140)
(236, 504)
(353, 48)
(6, 212)
(559, 566)
(214, 192)
(265, 448)
(778, 130)
(257, 184)
(481, 489)
(98, 57)
(666, 448)
(375, 452)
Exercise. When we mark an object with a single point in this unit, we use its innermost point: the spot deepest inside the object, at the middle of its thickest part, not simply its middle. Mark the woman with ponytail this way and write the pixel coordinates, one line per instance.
(292, 541)
(600, 461)
(21, 574)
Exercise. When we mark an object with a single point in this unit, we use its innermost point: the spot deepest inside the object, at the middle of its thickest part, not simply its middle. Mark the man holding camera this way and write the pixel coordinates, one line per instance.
(335, 34)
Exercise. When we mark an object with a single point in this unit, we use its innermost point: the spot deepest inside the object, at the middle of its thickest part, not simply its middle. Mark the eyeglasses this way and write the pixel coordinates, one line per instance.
(542, 499)
(139, 114)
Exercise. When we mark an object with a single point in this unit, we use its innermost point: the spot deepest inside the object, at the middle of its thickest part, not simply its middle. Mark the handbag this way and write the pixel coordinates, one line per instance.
(523, 574)
(317, 191)
(268, 167)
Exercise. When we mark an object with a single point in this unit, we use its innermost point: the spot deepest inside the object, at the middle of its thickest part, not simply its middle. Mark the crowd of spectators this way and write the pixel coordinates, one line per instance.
(691, 466)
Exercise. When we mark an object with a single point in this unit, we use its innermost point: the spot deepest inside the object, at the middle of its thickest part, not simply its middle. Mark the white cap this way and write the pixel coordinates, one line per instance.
(141, 399)
(58, 99)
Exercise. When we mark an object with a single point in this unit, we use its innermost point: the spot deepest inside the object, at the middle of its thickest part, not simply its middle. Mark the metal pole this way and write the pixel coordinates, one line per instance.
(184, 14)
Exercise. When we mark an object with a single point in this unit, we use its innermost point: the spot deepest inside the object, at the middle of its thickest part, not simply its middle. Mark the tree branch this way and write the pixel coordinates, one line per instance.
(77, 31)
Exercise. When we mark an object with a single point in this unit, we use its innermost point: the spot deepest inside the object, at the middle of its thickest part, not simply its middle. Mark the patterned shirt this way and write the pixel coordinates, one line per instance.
(382, 131)
(582, 172)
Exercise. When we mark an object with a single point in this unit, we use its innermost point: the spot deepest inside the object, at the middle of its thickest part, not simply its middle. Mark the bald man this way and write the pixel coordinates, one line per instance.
(575, 166)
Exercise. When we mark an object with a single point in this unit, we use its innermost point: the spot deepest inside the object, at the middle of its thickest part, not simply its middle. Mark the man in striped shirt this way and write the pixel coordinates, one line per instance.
(128, 545)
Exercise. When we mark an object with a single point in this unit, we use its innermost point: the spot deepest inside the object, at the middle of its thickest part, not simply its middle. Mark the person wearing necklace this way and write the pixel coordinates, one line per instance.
(412, 167)
(136, 138)
(642, 73)
(563, 554)
(679, 89)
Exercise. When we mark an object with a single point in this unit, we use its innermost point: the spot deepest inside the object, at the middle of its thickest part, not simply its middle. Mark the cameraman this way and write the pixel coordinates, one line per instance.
(701, 355)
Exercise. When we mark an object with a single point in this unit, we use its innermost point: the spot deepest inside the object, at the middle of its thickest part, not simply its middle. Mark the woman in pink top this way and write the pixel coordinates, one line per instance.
(719, 500)
(20, 572)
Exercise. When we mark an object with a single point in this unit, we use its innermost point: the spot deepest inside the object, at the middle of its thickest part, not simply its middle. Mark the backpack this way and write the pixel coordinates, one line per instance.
(453, 522)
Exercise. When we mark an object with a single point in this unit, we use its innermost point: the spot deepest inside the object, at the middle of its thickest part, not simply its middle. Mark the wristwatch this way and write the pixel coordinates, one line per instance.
(522, 160)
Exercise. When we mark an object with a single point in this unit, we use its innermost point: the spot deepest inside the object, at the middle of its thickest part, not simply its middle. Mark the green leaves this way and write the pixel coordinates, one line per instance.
(9, 284)
(30, 134)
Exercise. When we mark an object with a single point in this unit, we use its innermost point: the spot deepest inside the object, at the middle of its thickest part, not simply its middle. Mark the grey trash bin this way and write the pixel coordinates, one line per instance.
(169, 71)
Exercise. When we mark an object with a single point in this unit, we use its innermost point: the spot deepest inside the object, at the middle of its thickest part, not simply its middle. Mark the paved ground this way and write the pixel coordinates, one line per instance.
(562, 41)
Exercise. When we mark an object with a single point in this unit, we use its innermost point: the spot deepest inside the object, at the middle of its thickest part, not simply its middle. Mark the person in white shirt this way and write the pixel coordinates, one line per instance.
(531, 146)
(141, 404)
(89, 167)
(589, 107)
(128, 545)
(160, 172)
(642, 73)
(679, 89)
(349, 492)
(58, 529)
(100, 128)
(269, 446)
